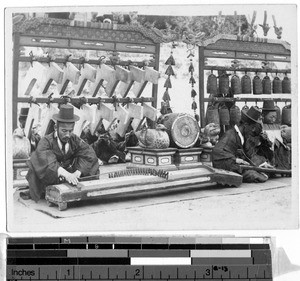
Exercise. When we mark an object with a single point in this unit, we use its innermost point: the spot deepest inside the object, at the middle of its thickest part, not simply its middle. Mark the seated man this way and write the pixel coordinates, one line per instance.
(237, 145)
(280, 136)
(60, 156)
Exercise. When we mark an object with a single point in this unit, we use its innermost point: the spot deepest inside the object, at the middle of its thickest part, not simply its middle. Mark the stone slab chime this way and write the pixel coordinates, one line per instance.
(41, 76)
(70, 74)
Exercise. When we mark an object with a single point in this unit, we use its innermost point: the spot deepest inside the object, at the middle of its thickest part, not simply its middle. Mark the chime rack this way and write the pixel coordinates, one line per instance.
(81, 62)
(61, 34)
(81, 100)
(247, 69)
(244, 99)
(239, 49)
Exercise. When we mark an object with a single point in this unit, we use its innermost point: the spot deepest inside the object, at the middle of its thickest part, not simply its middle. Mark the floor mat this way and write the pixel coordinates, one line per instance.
(76, 209)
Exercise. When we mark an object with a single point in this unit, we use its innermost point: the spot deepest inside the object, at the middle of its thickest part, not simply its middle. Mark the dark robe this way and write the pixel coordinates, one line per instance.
(47, 158)
(226, 151)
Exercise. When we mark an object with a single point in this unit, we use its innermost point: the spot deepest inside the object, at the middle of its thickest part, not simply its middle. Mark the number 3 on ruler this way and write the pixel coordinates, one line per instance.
(207, 272)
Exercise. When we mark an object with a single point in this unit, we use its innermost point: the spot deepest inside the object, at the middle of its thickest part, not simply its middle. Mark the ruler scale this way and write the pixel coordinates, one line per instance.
(131, 258)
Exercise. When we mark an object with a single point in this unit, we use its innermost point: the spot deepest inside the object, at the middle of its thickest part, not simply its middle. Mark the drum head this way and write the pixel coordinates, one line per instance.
(185, 131)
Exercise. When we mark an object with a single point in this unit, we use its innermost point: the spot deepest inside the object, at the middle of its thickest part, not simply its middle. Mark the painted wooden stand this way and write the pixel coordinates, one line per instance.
(188, 157)
(162, 158)
(20, 169)
(206, 156)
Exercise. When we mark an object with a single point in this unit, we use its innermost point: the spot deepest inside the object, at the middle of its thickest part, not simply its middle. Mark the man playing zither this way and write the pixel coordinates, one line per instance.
(60, 156)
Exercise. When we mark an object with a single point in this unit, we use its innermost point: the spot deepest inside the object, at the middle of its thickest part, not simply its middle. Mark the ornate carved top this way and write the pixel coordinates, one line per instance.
(246, 43)
(62, 28)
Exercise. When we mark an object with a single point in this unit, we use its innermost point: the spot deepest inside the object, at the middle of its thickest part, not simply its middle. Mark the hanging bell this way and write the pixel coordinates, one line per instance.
(277, 85)
(224, 115)
(245, 108)
(235, 115)
(223, 84)
(246, 84)
(278, 112)
(236, 87)
(212, 84)
(266, 85)
(212, 115)
(257, 85)
(286, 85)
(286, 115)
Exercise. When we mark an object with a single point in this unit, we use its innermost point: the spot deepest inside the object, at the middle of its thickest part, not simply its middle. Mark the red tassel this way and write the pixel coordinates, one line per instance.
(193, 93)
(170, 60)
(194, 105)
(170, 71)
(168, 83)
(166, 96)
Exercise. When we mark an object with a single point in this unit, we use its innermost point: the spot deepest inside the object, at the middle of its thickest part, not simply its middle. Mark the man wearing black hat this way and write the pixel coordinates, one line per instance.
(60, 156)
(280, 136)
(238, 146)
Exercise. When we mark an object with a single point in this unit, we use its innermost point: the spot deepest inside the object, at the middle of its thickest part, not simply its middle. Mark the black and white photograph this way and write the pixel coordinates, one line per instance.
(151, 118)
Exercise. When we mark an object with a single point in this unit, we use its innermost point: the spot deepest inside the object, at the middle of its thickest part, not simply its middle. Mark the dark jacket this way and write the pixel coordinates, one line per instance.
(47, 158)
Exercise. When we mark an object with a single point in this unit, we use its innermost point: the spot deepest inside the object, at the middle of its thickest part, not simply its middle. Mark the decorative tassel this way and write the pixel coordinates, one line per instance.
(193, 93)
(191, 68)
(197, 117)
(170, 60)
(194, 105)
(168, 83)
(166, 96)
(192, 80)
(170, 71)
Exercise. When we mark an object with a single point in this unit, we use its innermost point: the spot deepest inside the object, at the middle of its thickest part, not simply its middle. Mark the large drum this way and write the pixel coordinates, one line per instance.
(182, 128)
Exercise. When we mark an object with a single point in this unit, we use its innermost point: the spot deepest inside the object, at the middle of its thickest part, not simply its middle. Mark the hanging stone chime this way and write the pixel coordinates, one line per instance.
(192, 81)
(169, 72)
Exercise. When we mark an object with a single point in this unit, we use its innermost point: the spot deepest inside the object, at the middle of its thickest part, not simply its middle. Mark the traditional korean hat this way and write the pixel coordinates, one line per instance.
(252, 115)
(268, 105)
(66, 114)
